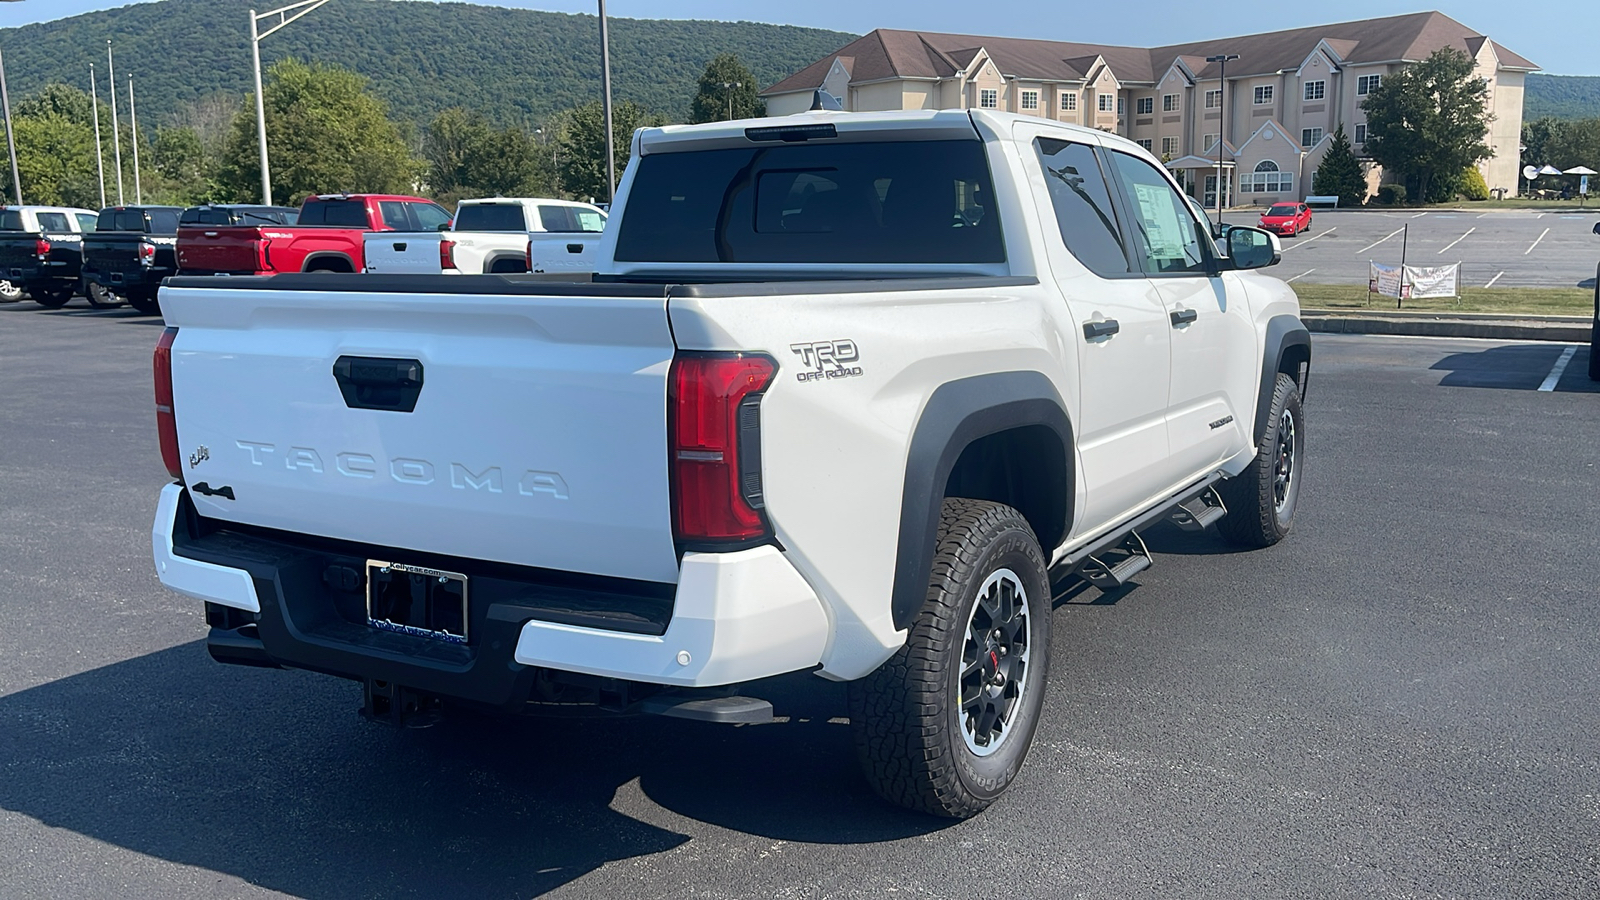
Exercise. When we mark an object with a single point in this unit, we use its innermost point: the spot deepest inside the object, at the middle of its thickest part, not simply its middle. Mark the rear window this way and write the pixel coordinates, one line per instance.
(1283, 209)
(163, 221)
(343, 213)
(882, 202)
(11, 220)
(120, 220)
(490, 217)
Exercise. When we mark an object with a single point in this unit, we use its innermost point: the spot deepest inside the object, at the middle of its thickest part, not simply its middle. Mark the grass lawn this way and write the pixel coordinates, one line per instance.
(1354, 298)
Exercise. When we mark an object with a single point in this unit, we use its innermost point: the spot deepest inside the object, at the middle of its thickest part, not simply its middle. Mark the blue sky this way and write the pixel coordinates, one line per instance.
(1535, 31)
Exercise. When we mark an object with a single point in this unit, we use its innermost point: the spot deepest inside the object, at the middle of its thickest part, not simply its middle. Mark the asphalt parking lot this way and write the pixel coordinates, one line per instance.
(1509, 248)
(1401, 700)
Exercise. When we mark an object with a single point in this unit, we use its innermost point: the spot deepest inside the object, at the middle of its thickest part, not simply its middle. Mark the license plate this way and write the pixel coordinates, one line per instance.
(116, 277)
(417, 600)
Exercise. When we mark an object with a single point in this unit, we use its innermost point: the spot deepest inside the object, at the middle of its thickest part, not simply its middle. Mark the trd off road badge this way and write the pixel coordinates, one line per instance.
(827, 359)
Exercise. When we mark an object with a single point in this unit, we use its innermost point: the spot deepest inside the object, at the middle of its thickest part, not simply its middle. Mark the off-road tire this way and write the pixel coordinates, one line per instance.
(101, 297)
(144, 300)
(906, 716)
(51, 297)
(1256, 517)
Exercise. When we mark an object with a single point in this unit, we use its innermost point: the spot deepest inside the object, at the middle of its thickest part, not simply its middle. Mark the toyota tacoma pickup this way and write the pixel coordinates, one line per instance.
(128, 255)
(326, 236)
(497, 235)
(849, 393)
(41, 252)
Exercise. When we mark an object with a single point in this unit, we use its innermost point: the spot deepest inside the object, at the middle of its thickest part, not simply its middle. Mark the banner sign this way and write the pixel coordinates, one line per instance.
(1433, 281)
(1386, 280)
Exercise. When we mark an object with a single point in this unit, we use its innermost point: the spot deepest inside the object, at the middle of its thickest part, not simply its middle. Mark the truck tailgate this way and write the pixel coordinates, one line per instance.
(402, 253)
(537, 436)
(219, 248)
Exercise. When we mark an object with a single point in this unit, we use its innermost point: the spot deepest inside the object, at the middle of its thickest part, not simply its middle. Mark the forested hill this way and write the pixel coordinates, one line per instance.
(516, 66)
(1562, 96)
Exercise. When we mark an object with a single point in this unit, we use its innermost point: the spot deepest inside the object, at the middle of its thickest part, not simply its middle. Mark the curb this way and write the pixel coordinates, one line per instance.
(1571, 331)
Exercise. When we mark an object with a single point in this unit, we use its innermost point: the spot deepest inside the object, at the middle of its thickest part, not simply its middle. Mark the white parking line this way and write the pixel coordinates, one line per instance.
(1379, 240)
(1301, 275)
(1555, 372)
(1536, 242)
(1312, 238)
(1485, 214)
(1419, 215)
(1494, 279)
(1459, 239)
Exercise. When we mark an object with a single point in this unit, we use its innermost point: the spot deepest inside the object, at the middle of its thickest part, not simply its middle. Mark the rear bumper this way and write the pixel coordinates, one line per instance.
(128, 278)
(732, 617)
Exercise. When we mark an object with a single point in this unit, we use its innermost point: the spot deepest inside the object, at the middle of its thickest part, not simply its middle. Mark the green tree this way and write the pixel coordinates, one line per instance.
(469, 157)
(1428, 122)
(1340, 173)
(713, 102)
(583, 145)
(446, 144)
(325, 132)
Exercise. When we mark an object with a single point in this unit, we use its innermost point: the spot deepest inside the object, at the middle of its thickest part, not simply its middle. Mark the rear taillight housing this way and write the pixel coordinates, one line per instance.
(527, 256)
(447, 254)
(714, 438)
(41, 248)
(147, 254)
(166, 423)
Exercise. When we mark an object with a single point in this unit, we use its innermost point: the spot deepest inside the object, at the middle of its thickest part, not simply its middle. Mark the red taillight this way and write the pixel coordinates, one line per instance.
(147, 254)
(714, 442)
(166, 424)
(527, 256)
(447, 254)
(41, 248)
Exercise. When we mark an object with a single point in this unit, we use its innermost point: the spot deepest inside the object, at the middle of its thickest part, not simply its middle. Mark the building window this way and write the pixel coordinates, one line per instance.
(1213, 99)
(1144, 106)
(1366, 84)
(1169, 146)
(1169, 102)
(1316, 90)
(1030, 99)
(988, 98)
(1266, 179)
(1105, 103)
(1147, 144)
(1209, 141)
(1310, 137)
(1069, 102)
(1264, 94)
(1122, 106)
(1361, 133)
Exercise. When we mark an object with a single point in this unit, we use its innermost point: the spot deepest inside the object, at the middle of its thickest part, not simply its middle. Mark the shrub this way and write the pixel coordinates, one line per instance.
(1392, 194)
(1473, 187)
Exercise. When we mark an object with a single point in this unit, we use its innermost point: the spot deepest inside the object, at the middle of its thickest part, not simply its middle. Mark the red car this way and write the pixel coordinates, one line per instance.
(1287, 218)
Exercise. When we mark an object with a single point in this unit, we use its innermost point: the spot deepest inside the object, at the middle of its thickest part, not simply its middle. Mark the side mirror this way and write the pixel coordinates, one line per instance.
(1252, 248)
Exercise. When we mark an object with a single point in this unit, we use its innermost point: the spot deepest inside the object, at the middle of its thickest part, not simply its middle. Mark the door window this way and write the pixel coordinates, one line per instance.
(53, 221)
(394, 215)
(429, 216)
(86, 221)
(1168, 239)
(1082, 205)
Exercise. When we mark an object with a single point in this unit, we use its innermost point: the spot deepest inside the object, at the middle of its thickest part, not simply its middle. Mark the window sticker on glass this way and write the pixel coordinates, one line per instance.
(1160, 220)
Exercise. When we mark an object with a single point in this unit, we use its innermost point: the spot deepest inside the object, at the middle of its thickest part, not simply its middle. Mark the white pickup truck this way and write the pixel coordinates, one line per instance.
(848, 394)
(496, 236)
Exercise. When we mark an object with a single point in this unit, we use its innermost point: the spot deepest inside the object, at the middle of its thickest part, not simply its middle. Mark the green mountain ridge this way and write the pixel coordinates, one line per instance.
(514, 65)
(1561, 96)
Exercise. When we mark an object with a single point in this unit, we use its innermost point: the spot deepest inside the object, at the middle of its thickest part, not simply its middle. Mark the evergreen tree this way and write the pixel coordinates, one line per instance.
(1428, 121)
(714, 103)
(1340, 173)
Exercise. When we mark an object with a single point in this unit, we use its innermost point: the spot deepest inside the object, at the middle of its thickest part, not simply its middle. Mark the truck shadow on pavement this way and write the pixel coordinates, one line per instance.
(273, 778)
(128, 313)
(1518, 367)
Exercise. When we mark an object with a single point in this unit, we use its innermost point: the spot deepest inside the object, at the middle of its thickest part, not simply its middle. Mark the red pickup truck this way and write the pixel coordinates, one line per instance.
(327, 237)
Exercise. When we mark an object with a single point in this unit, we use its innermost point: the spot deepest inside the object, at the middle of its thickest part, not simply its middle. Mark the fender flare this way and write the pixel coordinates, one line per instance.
(305, 265)
(1283, 332)
(958, 413)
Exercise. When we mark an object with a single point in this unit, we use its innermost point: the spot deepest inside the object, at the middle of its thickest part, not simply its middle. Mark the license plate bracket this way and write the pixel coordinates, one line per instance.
(417, 600)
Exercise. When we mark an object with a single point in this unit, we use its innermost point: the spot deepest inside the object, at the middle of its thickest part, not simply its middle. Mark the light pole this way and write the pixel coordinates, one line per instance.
(282, 12)
(11, 139)
(730, 87)
(133, 126)
(1222, 134)
(99, 154)
(605, 78)
(116, 132)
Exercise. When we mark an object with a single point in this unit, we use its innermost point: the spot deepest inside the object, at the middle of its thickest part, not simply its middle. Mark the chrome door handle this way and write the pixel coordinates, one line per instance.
(1092, 330)
(1183, 317)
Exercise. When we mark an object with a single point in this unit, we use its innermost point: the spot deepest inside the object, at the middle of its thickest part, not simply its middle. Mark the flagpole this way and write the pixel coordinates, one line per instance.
(11, 139)
(99, 153)
(133, 127)
(116, 137)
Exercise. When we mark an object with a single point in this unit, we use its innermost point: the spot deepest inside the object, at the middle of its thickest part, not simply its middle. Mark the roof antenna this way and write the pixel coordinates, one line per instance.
(822, 101)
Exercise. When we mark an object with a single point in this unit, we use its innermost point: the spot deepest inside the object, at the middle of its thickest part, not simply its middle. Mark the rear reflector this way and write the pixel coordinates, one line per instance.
(715, 445)
(166, 423)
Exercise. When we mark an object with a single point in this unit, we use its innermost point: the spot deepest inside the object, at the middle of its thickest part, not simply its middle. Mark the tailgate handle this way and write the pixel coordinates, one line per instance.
(369, 382)
(574, 248)
(401, 246)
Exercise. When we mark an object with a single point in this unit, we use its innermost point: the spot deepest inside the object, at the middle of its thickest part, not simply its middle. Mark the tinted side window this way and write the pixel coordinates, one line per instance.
(1082, 205)
(491, 217)
(53, 221)
(394, 215)
(87, 221)
(11, 220)
(557, 218)
(1168, 237)
(430, 217)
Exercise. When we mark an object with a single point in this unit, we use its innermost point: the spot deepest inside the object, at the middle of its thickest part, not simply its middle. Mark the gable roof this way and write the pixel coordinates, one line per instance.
(891, 53)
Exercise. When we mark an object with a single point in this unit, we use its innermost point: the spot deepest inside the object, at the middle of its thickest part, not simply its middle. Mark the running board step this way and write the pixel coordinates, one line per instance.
(1108, 573)
(1200, 511)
